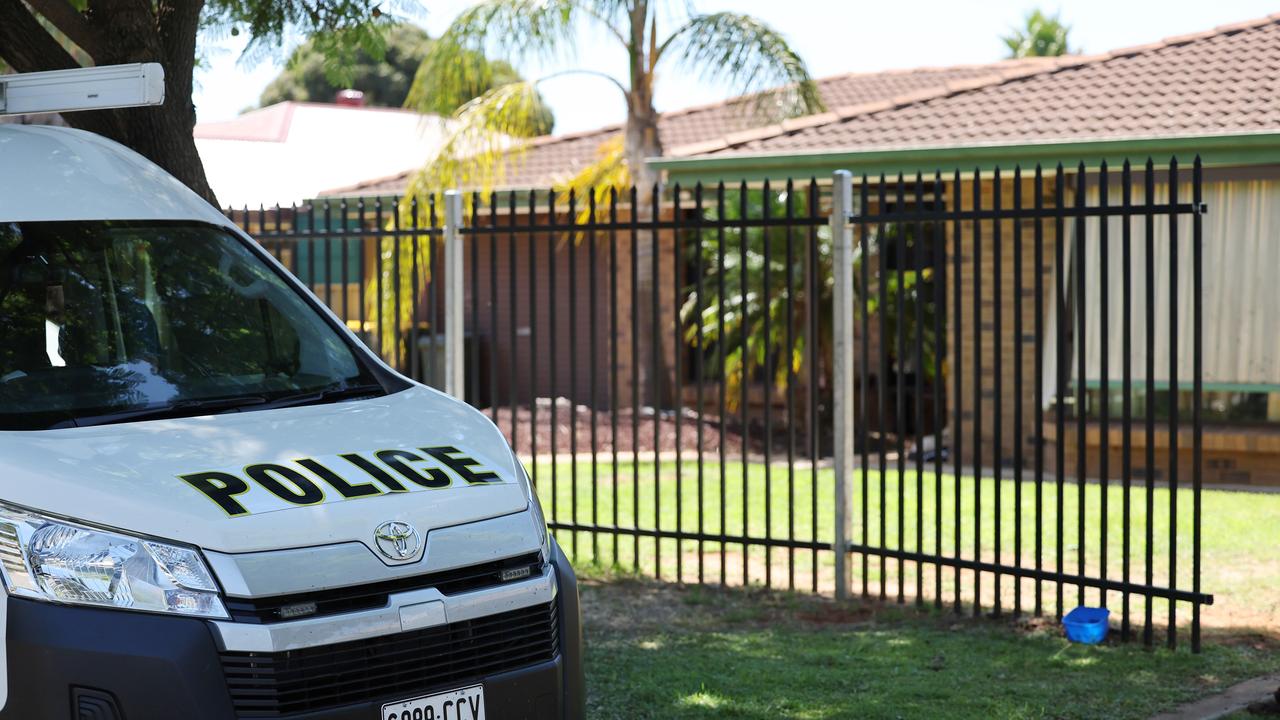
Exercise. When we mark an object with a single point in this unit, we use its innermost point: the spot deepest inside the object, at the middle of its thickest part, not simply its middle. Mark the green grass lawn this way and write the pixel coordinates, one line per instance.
(1239, 563)
(666, 651)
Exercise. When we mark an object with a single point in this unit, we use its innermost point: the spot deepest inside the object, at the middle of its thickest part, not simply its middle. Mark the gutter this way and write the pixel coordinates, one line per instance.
(1238, 149)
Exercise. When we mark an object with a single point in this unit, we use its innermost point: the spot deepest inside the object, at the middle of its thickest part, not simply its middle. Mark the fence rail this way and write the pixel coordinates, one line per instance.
(909, 396)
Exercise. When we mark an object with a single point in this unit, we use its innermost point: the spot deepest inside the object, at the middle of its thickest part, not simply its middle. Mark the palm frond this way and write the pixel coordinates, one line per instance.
(608, 173)
(483, 141)
(749, 57)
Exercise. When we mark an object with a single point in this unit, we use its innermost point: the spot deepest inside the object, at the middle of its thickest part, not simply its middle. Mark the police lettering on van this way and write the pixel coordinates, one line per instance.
(269, 486)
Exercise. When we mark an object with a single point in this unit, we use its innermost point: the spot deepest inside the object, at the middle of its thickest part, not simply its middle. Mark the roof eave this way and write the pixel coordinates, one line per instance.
(1228, 149)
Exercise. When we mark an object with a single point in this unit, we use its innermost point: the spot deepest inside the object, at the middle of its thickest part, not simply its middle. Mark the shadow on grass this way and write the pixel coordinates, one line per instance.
(661, 651)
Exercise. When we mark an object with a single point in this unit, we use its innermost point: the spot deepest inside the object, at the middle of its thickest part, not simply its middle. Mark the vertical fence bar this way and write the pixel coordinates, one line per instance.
(1038, 348)
(495, 403)
(791, 386)
(842, 359)
(1080, 340)
(899, 384)
(882, 377)
(722, 351)
(1197, 371)
(614, 403)
(977, 390)
(433, 263)
(475, 297)
(655, 344)
(635, 376)
(1104, 407)
(939, 386)
(455, 299)
(745, 379)
(916, 263)
(512, 305)
(1060, 374)
(1149, 187)
(677, 346)
(863, 373)
(571, 246)
(553, 362)
(814, 302)
(1018, 435)
(593, 332)
(1126, 406)
(1173, 399)
(997, 399)
(766, 240)
(414, 361)
(533, 337)
(699, 368)
(957, 320)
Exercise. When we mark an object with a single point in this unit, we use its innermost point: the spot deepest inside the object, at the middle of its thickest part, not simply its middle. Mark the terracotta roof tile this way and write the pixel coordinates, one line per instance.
(1220, 81)
(551, 159)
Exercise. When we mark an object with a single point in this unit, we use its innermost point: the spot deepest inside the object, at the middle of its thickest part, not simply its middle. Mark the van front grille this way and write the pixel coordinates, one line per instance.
(375, 595)
(389, 667)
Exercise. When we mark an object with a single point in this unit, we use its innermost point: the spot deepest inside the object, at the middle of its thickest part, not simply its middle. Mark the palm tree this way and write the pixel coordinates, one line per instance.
(731, 49)
(1040, 36)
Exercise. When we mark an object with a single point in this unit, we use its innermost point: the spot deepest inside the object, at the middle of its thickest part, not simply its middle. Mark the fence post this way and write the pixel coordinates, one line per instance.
(454, 300)
(842, 356)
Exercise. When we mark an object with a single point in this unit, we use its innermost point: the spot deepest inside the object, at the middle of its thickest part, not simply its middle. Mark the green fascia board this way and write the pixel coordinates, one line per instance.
(1233, 150)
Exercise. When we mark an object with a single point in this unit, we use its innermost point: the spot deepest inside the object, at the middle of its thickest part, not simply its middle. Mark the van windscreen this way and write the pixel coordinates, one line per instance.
(109, 321)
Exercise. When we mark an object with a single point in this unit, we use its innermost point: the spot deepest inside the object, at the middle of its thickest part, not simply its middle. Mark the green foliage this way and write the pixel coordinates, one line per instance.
(340, 29)
(387, 81)
(730, 49)
(384, 81)
(1040, 36)
(745, 311)
(747, 56)
(743, 305)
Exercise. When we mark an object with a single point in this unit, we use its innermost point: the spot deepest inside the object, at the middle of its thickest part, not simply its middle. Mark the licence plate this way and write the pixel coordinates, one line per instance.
(463, 704)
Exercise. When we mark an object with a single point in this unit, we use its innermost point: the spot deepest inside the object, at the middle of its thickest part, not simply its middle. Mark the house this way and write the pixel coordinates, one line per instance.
(291, 151)
(1210, 94)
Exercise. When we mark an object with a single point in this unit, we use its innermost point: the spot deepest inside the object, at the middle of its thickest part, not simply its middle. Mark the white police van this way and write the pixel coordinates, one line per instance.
(214, 501)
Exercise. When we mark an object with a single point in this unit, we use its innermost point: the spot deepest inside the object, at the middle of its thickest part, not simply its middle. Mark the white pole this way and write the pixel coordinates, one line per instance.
(454, 300)
(842, 351)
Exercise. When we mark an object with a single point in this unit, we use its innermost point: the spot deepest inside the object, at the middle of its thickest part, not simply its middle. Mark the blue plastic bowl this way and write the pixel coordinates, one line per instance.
(1087, 625)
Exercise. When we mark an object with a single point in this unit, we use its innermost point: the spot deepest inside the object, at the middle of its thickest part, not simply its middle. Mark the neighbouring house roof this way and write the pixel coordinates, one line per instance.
(554, 158)
(291, 151)
(1216, 84)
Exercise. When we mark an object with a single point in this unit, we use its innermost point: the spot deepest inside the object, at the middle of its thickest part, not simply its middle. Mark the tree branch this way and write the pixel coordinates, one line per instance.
(70, 21)
(26, 45)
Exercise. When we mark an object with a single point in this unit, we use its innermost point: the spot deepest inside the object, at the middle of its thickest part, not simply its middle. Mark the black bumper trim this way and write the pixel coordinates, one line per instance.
(159, 667)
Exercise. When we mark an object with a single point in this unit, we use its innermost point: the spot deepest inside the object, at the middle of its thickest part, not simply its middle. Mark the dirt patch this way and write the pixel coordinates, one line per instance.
(574, 424)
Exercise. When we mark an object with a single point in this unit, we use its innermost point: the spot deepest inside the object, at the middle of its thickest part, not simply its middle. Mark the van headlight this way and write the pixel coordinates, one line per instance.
(57, 561)
(535, 507)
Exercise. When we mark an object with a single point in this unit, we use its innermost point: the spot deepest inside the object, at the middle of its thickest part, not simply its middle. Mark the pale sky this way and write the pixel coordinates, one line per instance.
(833, 36)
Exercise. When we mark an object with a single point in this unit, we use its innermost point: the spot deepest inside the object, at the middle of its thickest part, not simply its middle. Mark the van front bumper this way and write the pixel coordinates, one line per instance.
(76, 662)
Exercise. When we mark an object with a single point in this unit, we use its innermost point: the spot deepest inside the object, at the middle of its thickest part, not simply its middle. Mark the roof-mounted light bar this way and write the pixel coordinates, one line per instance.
(95, 88)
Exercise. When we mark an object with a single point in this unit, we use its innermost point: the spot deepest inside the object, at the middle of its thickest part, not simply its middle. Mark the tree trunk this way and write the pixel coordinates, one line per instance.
(115, 32)
(643, 142)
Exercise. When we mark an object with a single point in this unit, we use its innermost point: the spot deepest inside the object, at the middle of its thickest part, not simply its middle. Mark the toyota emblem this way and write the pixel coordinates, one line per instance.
(397, 540)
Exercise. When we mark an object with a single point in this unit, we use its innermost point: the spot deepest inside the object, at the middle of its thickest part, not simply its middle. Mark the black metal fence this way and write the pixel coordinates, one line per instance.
(664, 362)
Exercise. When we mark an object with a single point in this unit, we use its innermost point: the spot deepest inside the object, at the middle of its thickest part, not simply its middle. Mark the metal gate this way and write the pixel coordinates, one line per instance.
(1017, 337)
(972, 389)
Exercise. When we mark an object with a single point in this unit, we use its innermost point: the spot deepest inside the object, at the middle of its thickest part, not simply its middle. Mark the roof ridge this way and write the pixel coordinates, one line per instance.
(957, 87)
(690, 109)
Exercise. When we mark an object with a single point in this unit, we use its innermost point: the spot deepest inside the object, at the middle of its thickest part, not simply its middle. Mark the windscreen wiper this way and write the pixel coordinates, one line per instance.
(178, 409)
(337, 393)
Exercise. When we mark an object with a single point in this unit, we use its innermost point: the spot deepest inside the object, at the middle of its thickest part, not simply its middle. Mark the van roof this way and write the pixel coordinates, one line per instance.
(55, 173)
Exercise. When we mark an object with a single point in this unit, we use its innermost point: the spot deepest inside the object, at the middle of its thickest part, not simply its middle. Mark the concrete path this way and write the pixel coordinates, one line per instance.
(1234, 699)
